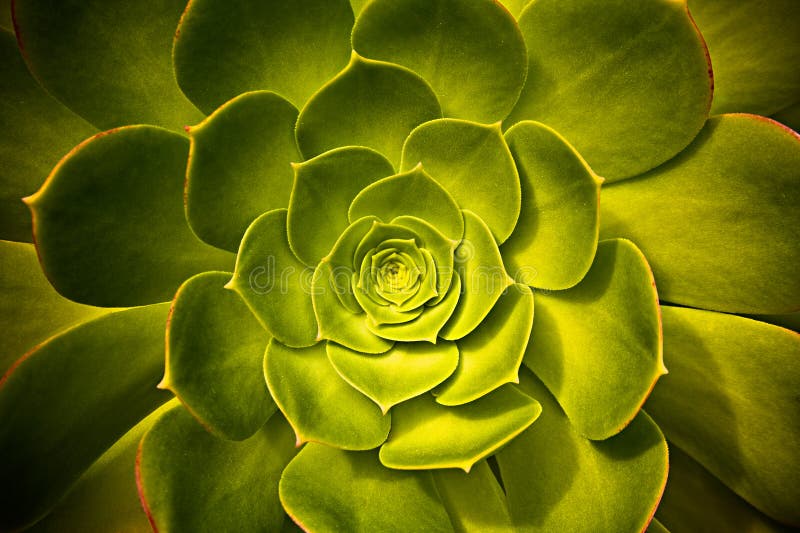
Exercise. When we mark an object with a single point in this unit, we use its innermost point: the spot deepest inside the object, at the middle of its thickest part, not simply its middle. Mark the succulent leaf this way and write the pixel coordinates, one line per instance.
(112, 66)
(212, 334)
(44, 130)
(239, 166)
(103, 237)
(318, 403)
(755, 50)
(274, 283)
(555, 240)
(490, 356)
(370, 103)
(733, 246)
(471, 53)
(474, 501)
(404, 372)
(473, 163)
(427, 435)
(324, 188)
(597, 346)
(627, 83)
(624, 475)
(483, 278)
(730, 402)
(224, 49)
(108, 392)
(213, 484)
(325, 489)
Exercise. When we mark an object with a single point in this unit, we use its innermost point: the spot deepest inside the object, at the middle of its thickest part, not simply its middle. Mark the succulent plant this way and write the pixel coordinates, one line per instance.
(344, 214)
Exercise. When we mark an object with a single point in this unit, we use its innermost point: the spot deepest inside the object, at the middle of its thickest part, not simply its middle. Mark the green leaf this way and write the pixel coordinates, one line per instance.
(428, 435)
(474, 501)
(215, 352)
(190, 480)
(598, 346)
(788, 320)
(239, 166)
(112, 66)
(43, 131)
(556, 480)
(5, 16)
(69, 400)
(413, 193)
(627, 83)
(325, 489)
(515, 7)
(694, 500)
(483, 278)
(370, 103)
(656, 527)
(318, 403)
(336, 322)
(490, 356)
(323, 189)
(730, 401)
(555, 239)
(471, 53)
(109, 223)
(472, 162)
(223, 49)
(405, 371)
(274, 283)
(755, 50)
(428, 325)
(105, 497)
(31, 310)
(730, 244)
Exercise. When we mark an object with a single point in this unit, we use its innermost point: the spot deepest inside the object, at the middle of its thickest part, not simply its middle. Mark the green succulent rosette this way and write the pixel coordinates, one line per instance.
(393, 298)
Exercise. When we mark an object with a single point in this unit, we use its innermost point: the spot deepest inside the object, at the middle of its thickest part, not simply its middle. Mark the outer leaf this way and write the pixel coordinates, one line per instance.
(223, 49)
(428, 435)
(107, 61)
(212, 484)
(370, 103)
(412, 193)
(490, 356)
(628, 83)
(68, 401)
(597, 346)
(43, 131)
(574, 478)
(789, 116)
(755, 49)
(323, 189)
(555, 239)
(732, 244)
(105, 497)
(405, 371)
(30, 310)
(694, 500)
(471, 53)
(656, 527)
(318, 403)
(474, 501)
(215, 351)
(515, 7)
(483, 278)
(473, 163)
(325, 489)
(109, 223)
(274, 283)
(239, 166)
(731, 402)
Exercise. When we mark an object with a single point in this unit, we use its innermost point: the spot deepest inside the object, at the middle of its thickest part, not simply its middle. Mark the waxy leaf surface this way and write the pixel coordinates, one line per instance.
(597, 346)
(109, 222)
(319, 404)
